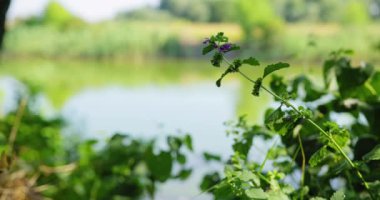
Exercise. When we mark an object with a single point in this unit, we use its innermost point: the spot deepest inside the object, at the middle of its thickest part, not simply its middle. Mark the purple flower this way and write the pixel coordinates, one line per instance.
(225, 47)
(206, 41)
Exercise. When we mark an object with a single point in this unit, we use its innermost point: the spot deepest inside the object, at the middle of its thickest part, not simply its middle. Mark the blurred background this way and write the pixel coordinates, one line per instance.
(135, 66)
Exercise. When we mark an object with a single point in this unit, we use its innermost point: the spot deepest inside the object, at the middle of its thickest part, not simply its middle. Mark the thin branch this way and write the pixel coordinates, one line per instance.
(303, 163)
(267, 156)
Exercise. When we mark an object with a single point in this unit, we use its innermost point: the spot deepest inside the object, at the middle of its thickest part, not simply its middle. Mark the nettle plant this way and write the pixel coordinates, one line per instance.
(334, 161)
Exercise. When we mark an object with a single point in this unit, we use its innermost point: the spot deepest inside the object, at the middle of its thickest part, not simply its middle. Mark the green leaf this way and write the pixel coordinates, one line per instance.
(375, 82)
(208, 156)
(280, 123)
(318, 156)
(274, 67)
(208, 49)
(217, 59)
(256, 87)
(317, 198)
(188, 142)
(278, 86)
(184, 174)
(251, 61)
(349, 77)
(340, 166)
(338, 195)
(374, 154)
(256, 193)
(328, 67)
(160, 165)
(277, 195)
(340, 135)
(249, 176)
(219, 82)
(181, 159)
(312, 93)
(210, 180)
(224, 191)
(174, 143)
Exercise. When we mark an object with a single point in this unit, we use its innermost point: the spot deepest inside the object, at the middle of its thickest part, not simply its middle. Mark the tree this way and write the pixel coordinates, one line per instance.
(56, 15)
(355, 12)
(259, 22)
(4, 5)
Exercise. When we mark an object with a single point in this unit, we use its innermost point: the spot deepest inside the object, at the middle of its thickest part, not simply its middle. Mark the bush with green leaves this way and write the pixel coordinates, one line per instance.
(123, 167)
(333, 161)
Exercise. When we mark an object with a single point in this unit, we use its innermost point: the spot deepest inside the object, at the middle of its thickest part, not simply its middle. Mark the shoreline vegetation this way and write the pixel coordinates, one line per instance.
(125, 40)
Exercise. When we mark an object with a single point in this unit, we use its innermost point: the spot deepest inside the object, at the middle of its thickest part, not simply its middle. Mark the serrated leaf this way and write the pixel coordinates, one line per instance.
(374, 154)
(338, 195)
(251, 61)
(318, 156)
(274, 67)
(256, 193)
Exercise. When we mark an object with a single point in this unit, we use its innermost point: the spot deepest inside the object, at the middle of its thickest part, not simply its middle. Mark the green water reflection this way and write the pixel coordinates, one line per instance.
(61, 79)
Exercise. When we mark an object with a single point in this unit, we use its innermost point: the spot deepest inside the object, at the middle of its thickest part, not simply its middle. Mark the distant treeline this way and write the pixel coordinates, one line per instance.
(289, 10)
(176, 28)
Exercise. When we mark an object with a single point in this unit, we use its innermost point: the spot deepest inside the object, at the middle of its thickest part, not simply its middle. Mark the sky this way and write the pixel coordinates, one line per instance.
(89, 10)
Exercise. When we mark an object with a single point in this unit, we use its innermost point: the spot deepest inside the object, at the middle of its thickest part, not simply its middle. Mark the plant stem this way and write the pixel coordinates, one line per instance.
(16, 125)
(303, 164)
(267, 156)
(287, 103)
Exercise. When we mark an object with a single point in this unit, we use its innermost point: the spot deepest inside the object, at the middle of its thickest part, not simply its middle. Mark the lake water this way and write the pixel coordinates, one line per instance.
(143, 98)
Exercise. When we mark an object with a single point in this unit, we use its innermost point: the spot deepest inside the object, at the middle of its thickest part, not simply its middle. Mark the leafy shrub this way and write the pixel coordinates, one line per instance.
(335, 161)
(63, 168)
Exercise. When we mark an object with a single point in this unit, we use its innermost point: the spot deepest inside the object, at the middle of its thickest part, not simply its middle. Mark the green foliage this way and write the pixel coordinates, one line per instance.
(318, 156)
(125, 167)
(259, 22)
(251, 61)
(355, 12)
(195, 10)
(274, 67)
(310, 139)
(201, 10)
(56, 15)
(122, 168)
(374, 154)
